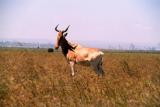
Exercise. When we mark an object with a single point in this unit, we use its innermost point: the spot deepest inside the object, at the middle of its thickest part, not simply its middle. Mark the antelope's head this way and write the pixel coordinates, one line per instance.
(61, 35)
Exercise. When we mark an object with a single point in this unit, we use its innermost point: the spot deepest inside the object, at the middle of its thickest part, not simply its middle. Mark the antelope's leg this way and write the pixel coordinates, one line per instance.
(95, 67)
(72, 67)
(100, 66)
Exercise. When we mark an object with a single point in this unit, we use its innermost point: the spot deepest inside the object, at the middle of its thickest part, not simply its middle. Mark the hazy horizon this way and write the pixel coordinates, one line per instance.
(106, 21)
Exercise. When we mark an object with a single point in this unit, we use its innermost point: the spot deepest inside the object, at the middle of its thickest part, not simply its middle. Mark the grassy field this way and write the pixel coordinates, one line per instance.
(36, 78)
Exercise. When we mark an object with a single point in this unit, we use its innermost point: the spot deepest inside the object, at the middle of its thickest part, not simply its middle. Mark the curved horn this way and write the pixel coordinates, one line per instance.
(56, 28)
(66, 29)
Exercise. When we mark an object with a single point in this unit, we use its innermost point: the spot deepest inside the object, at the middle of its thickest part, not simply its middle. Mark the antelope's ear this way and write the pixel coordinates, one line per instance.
(65, 34)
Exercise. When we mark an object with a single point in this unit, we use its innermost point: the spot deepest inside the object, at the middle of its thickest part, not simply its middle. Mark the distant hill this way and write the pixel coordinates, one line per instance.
(25, 44)
(96, 44)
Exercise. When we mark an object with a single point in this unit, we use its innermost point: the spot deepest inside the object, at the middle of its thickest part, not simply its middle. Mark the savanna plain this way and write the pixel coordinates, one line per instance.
(36, 78)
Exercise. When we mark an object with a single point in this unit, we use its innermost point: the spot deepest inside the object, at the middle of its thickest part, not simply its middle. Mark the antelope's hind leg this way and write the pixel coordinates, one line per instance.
(100, 68)
(97, 65)
(94, 65)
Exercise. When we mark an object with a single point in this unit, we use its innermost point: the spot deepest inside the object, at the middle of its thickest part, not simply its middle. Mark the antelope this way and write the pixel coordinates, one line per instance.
(75, 53)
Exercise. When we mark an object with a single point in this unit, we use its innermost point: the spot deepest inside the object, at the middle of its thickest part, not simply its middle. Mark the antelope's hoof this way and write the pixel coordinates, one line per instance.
(72, 74)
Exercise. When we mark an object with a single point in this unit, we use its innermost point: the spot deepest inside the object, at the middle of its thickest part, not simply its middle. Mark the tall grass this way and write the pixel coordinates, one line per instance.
(35, 78)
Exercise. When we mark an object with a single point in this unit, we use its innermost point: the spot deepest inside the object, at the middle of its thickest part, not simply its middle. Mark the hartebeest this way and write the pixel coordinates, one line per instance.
(76, 53)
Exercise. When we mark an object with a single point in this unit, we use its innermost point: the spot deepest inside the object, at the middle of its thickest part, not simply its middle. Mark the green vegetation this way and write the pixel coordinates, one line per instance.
(36, 78)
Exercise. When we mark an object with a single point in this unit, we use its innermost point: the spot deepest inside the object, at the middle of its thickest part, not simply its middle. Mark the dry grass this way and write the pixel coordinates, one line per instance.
(35, 78)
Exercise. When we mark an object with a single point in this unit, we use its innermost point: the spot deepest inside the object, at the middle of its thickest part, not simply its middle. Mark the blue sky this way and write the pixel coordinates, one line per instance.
(112, 21)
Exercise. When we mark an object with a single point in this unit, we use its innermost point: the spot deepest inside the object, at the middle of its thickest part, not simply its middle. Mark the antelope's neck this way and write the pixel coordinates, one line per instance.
(66, 47)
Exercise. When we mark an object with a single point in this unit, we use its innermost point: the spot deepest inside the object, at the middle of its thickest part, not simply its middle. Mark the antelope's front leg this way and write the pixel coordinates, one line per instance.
(72, 67)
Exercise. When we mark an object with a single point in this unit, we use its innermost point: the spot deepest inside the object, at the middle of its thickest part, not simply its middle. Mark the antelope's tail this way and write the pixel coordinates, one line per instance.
(101, 53)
